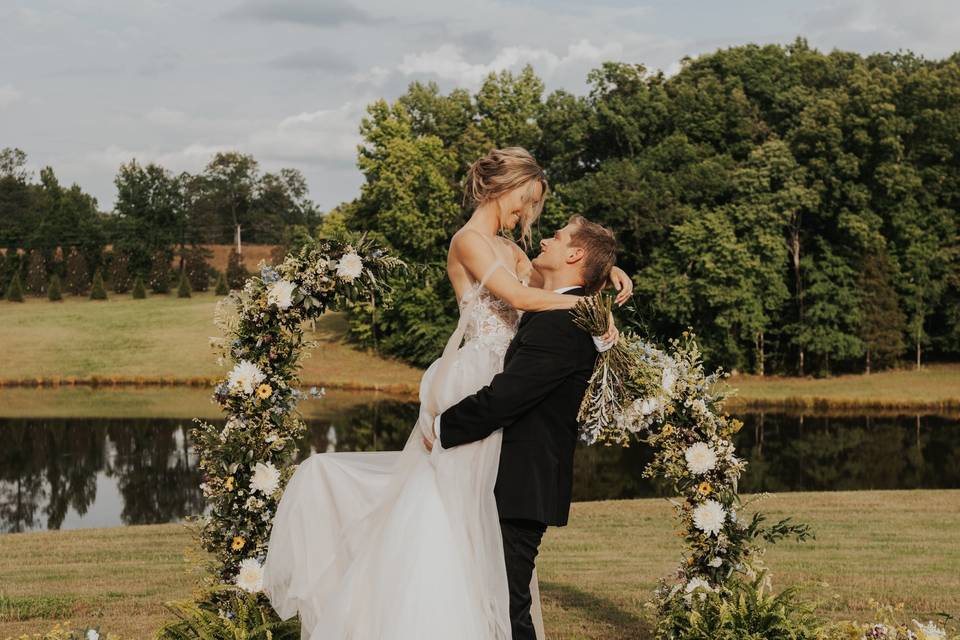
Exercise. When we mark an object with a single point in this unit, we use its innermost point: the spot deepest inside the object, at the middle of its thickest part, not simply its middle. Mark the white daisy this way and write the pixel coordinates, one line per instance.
(280, 293)
(701, 458)
(350, 267)
(250, 577)
(244, 377)
(709, 516)
(265, 478)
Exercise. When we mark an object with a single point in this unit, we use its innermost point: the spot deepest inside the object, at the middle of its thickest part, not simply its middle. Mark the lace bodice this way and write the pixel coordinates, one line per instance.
(491, 322)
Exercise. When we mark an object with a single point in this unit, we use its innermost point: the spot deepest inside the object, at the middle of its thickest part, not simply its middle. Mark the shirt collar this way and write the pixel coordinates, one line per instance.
(565, 289)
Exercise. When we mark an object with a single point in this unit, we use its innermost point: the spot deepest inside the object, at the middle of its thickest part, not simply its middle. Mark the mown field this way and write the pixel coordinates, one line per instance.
(596, 574)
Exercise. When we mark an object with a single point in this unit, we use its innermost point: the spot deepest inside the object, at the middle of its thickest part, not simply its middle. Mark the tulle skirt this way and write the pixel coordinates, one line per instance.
(398, 545)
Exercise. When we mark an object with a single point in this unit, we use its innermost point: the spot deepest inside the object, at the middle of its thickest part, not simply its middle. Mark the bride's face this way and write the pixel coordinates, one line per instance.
(519, 204)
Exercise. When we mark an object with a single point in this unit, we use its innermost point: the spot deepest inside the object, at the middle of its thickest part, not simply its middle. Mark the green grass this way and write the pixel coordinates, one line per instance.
(160, 337)
(596, 574)
(165, 338)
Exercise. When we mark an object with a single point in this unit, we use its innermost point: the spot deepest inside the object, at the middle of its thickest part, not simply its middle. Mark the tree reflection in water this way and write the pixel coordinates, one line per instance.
(50, 469)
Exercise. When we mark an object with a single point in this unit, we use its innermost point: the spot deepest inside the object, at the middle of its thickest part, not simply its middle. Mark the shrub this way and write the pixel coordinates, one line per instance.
(139, 291)
(197, 266)
(98, 291)
(36, 282)
(119, 274)
(237, 274)
(183, 290)
(222, 288)
(78, 274)
(53, 289)
(159, 278)
(65, 631)
(15, 290)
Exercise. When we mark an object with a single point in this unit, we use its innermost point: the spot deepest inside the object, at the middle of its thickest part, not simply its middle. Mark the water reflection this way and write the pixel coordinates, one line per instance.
(71, 473)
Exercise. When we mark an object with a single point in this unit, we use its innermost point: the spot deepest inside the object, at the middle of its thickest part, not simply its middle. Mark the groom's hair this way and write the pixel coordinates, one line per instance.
(600, 251)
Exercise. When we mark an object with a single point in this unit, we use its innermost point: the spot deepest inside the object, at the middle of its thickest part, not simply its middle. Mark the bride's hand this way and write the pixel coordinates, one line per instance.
(608, 339)
(622, 283)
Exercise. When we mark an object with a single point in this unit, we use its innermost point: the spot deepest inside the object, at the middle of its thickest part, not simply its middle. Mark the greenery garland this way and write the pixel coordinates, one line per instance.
(664, 398)
(247, 462)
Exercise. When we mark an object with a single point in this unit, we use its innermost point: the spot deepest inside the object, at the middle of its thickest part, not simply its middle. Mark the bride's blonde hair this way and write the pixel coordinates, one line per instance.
(503, 170)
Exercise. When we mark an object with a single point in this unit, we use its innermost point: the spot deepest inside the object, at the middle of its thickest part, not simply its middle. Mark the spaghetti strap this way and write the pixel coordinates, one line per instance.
(498, 261)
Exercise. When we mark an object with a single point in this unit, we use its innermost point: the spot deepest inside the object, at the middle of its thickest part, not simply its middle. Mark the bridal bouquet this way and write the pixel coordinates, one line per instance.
(666, 399)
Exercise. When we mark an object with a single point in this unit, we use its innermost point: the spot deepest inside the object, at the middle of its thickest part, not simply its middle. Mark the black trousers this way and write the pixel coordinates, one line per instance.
(521, 541)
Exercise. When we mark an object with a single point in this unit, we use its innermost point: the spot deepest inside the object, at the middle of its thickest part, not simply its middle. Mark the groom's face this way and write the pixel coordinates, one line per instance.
(556, 253)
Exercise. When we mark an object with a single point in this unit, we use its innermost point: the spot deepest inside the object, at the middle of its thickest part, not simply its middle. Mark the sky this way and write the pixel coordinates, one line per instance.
(86, 85)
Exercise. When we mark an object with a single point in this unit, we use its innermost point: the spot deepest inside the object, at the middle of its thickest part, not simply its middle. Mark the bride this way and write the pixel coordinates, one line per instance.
(405, 545)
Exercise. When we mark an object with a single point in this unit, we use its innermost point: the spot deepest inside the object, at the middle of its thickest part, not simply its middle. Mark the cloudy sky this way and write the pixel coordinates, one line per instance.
(88, 84)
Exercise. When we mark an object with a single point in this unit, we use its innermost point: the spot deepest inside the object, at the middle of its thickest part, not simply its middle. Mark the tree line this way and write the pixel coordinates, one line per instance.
(159, 218)
(798, 210)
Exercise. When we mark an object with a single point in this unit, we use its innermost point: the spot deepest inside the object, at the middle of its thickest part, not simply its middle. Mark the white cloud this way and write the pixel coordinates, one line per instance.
(8, 95)
(447, 61)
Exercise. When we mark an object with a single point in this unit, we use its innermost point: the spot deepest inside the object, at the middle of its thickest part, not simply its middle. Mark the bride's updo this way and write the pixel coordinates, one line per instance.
(501, 171)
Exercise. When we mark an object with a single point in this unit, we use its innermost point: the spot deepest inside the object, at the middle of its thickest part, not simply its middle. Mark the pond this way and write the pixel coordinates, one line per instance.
(62, 472)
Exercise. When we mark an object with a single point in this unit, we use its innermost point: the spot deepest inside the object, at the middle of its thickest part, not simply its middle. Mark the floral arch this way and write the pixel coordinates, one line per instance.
(661, 397)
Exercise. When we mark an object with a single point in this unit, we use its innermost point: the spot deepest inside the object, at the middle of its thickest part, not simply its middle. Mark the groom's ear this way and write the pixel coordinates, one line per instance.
(575, 255)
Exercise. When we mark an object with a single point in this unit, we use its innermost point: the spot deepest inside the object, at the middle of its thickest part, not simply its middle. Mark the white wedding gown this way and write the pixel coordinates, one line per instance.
(404, 545)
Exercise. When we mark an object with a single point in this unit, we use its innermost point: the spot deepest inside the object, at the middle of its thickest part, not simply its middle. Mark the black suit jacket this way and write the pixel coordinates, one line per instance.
(535, 399)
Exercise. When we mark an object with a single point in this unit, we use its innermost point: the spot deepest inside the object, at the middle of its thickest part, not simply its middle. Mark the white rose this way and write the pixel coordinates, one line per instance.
(250, 577)
(350, 267)
(709, 517)
(930, 631)
(92, 634)
(701, 458)
(244, 377)
(280, 293)
(265, 478)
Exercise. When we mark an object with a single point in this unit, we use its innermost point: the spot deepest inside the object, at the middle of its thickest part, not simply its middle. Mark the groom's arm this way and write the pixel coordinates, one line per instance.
(542, 361)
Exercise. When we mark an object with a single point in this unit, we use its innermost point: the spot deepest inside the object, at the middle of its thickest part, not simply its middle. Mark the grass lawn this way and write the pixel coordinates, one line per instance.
(160, 337)
(165, 337)
(596, 574)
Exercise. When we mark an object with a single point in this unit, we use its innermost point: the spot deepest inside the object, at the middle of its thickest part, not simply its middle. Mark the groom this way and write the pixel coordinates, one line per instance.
(536, 399)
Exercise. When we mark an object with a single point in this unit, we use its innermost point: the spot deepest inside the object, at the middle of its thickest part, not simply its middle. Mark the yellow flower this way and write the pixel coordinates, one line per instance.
(690, 560)
(667, 430)
(736, 425)
(705, 488)
(238, 543)
(685, 334)
(229, 483)
(264, 391)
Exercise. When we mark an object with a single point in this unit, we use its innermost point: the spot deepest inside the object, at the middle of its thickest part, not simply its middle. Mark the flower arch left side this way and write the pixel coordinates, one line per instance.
(247, 462)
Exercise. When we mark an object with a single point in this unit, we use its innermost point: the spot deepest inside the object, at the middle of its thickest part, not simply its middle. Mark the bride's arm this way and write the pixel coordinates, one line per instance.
(477, 258)
(618, 277)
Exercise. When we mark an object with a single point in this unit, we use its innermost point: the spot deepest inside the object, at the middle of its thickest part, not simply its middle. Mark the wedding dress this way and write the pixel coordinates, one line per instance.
(404, 545)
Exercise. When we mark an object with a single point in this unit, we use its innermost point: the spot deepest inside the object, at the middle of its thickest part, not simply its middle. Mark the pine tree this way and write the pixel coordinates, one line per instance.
(222, 288)
(15, 290)
(183, 290)
(139, 291)
(119, 273)
(882, 323)
(36, 273)
(160, 273)
(53, 289)
(237, 274)
(78, 274)
(98, 291)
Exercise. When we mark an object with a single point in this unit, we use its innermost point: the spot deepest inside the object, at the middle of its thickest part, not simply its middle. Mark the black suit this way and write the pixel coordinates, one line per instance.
(535, 399)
